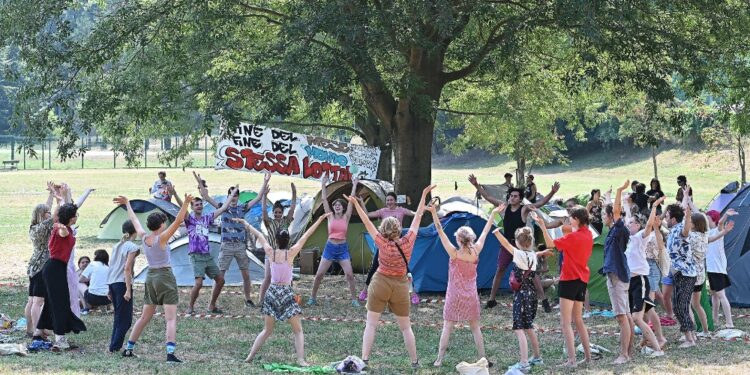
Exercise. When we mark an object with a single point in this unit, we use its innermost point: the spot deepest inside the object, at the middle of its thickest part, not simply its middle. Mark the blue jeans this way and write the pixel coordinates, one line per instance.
(336, 252)
(123, 315)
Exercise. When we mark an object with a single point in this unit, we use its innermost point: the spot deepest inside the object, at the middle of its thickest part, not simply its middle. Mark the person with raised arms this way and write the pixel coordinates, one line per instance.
(274, 225)
(514, 217)
(615, 270)
(461, 297)
(716, 264)
(160, 285)
(120, 280)
(336, 249)
(57, 314)
(279, 302)
(197, 225)
(233, 236)
(684, 272)
(639, 288)
(574, 277)
(391, 209)
(524, 299)
(390, 285)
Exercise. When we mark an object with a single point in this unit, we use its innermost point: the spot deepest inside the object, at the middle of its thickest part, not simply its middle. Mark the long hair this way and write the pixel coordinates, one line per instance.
(37, 216)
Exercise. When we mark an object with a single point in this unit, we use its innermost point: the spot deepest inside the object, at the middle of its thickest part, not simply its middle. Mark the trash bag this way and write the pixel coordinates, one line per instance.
(480, 367)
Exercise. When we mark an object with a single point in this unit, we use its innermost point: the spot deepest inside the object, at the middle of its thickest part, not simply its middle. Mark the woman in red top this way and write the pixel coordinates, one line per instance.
(390, 285)
(56, 313)
(574, 278)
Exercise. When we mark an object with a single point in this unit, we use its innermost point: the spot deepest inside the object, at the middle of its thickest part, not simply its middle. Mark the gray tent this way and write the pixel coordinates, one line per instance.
(737, 248)
(183, 268)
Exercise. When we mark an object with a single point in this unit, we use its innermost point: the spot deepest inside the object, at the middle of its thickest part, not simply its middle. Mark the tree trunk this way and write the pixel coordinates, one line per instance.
(653, 159)
(412, 149)
(741, 152)
(520, 171)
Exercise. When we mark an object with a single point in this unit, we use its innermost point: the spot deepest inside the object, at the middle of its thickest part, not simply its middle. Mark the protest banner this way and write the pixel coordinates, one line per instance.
(255, 148)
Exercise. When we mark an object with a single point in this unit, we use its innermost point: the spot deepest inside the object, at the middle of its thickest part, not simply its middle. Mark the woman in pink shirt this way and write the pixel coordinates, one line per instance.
(336, 249)
(391, 209)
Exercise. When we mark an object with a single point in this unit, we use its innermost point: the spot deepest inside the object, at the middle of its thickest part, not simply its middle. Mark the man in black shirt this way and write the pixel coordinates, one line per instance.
(514, 217)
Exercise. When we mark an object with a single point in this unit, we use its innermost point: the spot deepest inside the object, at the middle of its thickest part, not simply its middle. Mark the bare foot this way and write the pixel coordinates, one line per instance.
(249, 359)
(302, 363)
(438, 362)
(584, 362)
(620, 360)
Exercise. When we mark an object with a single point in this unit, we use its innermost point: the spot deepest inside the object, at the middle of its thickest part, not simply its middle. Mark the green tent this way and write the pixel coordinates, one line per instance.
(373, 193)
(111, 226)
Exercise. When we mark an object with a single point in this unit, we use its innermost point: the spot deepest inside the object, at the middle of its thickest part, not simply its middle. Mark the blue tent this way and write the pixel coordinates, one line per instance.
(429, 261)
(254, 216)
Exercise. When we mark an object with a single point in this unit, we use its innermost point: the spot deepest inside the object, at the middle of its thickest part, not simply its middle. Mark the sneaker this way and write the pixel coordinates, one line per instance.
(249, 304)
(363, 295)
(61, 345)
(521, 367)
(586, 315)
(85, 312)
(415, 365)
(536, 361)
(171, 358)
(546, 306)
(219, 311)
(311, 302)
(415, 299)
(128, 353)
(355, 303)
(637, 330)
(651, 353)
(703, 335)
(490, 304)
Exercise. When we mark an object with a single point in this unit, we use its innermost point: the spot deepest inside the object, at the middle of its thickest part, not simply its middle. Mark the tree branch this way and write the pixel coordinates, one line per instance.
(312, 124)
(468, 113)
(492, 41)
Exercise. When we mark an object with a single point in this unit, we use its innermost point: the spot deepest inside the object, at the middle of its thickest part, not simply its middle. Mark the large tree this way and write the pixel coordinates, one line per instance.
(137, 63)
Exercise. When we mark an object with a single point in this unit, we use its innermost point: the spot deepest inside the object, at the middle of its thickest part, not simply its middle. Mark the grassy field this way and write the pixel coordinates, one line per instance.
(221, 344)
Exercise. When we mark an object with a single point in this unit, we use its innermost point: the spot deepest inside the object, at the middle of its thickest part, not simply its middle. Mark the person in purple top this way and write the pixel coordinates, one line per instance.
(199, 251)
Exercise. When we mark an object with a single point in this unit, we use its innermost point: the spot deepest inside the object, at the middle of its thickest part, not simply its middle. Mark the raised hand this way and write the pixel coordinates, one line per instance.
(473, 180)
(51, 187)
(188, 198)
(624, 185)
(239, 220)
(555, 187)
(325, 215)
(728, 226)
(428, 189)
(731, 212)
(267, 177)
(430, 208)
(324, 180)
(120, 200)
(500, 208)
(351, 199)
(355, 180)
(659, 201)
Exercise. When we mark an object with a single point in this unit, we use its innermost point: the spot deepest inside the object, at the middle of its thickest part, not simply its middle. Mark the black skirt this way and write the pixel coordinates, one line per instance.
(718, 281)
(36, 286)
(56, 313)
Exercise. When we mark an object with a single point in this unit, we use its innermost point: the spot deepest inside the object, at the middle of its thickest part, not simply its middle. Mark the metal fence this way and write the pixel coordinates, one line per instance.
(99, 154)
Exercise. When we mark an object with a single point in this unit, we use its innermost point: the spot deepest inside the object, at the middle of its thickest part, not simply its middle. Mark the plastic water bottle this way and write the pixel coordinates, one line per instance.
(21, 323)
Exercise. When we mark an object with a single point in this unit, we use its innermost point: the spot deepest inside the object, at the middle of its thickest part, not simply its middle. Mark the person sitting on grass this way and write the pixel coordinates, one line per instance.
(96, 276)
(279, 301)
(461, 297)
(524, 299)
(161, 286)
(390, 285)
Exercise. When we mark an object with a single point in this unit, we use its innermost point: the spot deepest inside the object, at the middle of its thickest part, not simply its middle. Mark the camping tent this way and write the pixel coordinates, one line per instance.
(461, 204)
(373, 193)
(253, 216)
(429, 261)
(183, 268)
(725, 196)
(737, 246)
(111, 226)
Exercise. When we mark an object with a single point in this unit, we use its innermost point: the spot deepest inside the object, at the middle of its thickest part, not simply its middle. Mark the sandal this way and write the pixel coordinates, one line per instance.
(216, 310)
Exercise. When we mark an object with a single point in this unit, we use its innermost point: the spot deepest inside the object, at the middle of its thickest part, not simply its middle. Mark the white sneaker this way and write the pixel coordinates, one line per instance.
(586, 315)
(61, 344)
(651, 353)
(703, 335)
